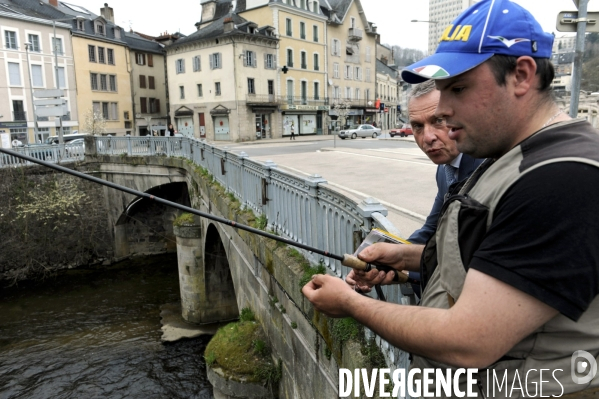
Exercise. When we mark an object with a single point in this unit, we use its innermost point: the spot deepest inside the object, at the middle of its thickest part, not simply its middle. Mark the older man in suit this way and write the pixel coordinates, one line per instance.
(431, 135)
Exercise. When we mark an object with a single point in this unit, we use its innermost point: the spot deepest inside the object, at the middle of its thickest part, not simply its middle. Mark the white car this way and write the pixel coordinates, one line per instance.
(360, 131)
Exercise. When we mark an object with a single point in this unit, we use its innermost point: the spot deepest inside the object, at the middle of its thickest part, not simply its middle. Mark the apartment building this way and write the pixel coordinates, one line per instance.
(148, 86)
(223, 78)
(102, 63)
(301, 61)
(440, 15)
(351, 54)
(35, 56)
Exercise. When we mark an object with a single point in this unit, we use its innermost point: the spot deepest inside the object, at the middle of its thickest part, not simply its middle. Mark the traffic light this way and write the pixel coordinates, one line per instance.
(284, 69)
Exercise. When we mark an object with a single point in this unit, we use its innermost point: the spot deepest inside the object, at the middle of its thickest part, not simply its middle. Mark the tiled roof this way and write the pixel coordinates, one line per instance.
(136, 42)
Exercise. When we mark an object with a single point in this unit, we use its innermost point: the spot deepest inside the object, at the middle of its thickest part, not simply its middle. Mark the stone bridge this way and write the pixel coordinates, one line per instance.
(222, 269)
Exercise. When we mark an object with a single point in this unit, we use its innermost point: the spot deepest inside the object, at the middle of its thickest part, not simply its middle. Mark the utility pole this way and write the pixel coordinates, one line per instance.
(577, 73)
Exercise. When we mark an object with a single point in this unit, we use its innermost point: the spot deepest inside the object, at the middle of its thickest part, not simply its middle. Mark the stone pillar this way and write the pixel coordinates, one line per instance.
(121, 241)
(191, 271)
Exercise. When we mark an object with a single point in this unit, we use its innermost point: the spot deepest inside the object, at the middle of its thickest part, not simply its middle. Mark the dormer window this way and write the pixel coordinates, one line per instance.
(100, 29)
(80, 24)
(117, 33)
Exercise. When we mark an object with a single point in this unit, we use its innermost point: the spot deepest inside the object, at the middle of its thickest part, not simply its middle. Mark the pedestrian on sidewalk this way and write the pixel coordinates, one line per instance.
(292, 132)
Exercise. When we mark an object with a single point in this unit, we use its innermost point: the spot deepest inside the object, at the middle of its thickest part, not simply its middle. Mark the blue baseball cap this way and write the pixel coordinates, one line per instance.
(487, 28)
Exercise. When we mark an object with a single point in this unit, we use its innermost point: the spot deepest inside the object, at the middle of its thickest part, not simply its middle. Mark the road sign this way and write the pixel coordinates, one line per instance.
(52, 101)
(48, 93)
(52, 111)
(567, 21)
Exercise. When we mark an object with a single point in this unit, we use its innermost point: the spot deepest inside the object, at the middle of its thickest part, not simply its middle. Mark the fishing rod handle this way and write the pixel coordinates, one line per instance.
(358, 264)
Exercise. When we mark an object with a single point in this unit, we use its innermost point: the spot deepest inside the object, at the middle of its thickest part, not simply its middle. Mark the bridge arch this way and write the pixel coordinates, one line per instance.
(145, 226)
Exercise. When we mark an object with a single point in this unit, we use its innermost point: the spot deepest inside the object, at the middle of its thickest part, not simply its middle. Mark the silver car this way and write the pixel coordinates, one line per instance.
(360, 131)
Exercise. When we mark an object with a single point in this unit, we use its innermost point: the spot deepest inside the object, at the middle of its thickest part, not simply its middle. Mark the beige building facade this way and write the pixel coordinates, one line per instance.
(28, 65)
(351, 60)
(301, 78)
(222, 79)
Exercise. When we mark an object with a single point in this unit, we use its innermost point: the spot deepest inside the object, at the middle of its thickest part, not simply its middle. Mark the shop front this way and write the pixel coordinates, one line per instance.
(305, 119)
(263, 122)
(355, 116)
(184, 121)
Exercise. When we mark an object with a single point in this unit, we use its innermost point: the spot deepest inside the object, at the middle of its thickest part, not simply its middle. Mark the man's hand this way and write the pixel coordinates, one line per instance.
(329, 295)
(366, 280)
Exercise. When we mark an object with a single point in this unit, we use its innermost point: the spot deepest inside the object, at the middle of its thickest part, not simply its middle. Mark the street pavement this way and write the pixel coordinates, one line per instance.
(401, 179)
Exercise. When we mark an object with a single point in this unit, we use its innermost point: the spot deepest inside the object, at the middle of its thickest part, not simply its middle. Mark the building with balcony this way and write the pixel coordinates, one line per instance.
(351, 59)
(149, 88)
(301, 63)
(46, 62)
(223, 78)
(440, 15)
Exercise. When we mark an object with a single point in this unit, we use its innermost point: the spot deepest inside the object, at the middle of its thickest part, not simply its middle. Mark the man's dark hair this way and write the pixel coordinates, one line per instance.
(503, 65)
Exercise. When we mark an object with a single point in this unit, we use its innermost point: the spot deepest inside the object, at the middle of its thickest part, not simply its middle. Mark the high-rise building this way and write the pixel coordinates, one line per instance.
(440, 15)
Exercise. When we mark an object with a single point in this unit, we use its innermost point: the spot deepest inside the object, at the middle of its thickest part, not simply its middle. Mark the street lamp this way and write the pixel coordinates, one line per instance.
(27, 45)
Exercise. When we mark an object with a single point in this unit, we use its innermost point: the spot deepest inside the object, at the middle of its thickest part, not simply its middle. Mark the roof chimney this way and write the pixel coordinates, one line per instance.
(107, 13)
(228, 24)
(208, 10)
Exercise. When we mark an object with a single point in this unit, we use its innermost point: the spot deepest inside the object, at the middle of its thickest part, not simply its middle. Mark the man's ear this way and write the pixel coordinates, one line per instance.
(524, 76)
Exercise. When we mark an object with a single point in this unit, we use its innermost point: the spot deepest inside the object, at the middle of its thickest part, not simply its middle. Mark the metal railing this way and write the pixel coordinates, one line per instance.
(19, 116)
(305, 210)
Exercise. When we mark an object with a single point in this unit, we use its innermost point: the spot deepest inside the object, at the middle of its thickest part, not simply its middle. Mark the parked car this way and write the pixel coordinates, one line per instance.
(75, 147)
(405, 130)
(360, 131)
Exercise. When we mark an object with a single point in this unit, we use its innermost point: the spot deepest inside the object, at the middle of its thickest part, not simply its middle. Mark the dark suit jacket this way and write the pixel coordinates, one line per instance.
(467, 166)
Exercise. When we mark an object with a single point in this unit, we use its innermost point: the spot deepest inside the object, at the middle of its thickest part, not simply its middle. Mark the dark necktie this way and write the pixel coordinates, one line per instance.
(450, 174)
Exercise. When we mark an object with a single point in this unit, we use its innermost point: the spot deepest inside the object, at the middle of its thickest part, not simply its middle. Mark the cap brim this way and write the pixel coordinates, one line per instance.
(442, 66)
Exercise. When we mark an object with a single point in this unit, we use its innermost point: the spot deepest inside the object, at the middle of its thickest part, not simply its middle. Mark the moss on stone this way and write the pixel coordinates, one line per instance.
(184, 219)
(240, 350)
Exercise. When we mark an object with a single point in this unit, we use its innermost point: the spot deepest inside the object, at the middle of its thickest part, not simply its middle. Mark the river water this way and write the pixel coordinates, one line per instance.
(96, 334)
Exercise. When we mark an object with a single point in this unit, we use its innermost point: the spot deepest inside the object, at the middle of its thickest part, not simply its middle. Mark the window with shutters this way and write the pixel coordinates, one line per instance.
(316, 62)
(269, 61)
(217, 88)
(140, 58)
(348, 71)
(250, 59)
(315, 33)
(368, 74)
(105, 110)
(358, 74)
(101, 55)
(302, 30)
(288, 27)
(110, 56)
(357, 94)
(151, 84)
(103, 82)
(348, 93)
(197, 66)
(336, 47)
(14, 74)
(251, 86)
(142, 81)
(154, 105)
(37, 76)
(35, 42)
(150, 60)
(304, 62)
(94, 81)
(316, 91)
(180, 66)
(215, 61)
(290, 58)
(143, 105)
(336, 70)
(61, 78)
(57, 46)
(91, 50)
(10, 40)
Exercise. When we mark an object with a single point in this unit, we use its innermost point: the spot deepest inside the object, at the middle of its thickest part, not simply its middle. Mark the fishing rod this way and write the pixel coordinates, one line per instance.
(346, 260)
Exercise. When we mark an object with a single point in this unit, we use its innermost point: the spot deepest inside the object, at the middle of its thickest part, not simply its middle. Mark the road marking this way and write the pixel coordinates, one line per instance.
(390, 159)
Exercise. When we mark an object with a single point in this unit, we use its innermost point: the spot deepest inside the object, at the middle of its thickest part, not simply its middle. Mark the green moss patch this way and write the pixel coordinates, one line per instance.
(240, 350)
(184, 219)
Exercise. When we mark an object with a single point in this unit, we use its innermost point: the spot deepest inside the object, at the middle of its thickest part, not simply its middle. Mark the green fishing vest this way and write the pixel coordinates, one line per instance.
(466, 217)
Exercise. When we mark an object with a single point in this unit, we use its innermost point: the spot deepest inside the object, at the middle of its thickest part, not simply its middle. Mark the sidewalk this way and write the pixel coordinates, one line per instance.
(310, 137)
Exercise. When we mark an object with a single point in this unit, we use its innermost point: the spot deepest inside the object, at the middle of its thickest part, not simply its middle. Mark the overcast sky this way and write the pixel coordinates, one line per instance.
(392, 17)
